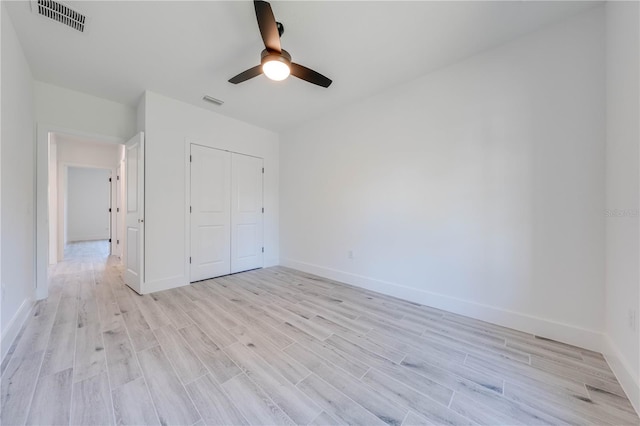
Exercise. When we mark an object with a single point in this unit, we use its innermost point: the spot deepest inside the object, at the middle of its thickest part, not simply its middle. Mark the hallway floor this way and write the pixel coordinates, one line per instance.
(94, 250)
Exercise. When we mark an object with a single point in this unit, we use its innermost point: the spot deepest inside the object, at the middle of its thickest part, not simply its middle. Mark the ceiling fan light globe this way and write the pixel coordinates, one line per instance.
(276, 70)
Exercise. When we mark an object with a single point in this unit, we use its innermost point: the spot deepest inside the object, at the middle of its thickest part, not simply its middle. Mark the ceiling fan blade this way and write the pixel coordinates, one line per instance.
(267, 25)
(310, 75)
(246, 75)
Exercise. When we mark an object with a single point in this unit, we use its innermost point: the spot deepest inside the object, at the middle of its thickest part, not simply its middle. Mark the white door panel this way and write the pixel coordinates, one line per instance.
(134, 221)
(246, 212)
(212, 244)
(132, 252)
(248, 241)
(210, 213)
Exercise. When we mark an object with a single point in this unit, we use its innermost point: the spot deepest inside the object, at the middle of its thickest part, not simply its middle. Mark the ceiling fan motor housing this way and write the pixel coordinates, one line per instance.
(271, 55)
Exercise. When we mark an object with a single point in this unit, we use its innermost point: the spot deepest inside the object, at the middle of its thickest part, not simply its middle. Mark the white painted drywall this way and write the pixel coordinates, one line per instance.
(168, 124)
(88, 203)
(478, 188)
(100, 155)
(18, 196)
(623, 195)
(53, 201)
(140, 113)
(2, 334)
(79, 111)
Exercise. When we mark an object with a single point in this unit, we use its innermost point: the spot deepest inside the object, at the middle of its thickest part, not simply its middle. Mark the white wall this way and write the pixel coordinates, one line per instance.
(168, 124)
(140, 113)
(90, 154)
(53, 201)
(623, 195)
(72, 110)
(478, 188)
(88, 202)
(18, 197)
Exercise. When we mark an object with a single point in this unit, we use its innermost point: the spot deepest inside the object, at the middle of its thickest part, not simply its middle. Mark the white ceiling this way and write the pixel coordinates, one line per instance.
(188, 49)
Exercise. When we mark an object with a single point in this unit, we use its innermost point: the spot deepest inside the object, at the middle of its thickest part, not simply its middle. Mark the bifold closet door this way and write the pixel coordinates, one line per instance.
(210, 212)
(246, 213)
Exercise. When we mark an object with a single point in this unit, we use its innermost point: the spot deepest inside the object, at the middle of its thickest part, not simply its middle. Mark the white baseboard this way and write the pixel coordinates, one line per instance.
(12, 329)
(271, 261)
(573, 335)
(182, 280)
(164, 284)
(623, 372)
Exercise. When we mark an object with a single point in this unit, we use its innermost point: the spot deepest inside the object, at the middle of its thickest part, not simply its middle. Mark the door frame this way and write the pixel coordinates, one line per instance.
(42, 198)
(116, 247)
(187, 200)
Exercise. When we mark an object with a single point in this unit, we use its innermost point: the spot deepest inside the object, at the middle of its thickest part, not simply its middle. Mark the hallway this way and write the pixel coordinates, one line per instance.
(62, 343)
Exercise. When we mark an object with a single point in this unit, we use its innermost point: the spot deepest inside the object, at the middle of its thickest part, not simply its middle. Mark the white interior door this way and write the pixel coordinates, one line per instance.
(134, 220)
(246, 213)
(210, 212)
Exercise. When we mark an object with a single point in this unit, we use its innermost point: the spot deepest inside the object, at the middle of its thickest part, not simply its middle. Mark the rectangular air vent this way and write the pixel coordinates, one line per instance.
(59, 12)
(212, 100)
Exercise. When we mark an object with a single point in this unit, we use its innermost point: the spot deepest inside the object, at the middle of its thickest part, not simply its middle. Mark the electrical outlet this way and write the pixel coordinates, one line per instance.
(350, 254)
(632, 319)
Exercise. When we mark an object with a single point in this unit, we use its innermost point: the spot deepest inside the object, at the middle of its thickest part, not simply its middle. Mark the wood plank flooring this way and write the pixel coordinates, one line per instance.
(278, 346)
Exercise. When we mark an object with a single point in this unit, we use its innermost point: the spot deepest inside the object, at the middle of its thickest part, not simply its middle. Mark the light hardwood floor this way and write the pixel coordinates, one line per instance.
(277, 346)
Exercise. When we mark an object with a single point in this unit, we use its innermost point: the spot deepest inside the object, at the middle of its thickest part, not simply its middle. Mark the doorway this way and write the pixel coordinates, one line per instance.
(74, 194)
(81, 192)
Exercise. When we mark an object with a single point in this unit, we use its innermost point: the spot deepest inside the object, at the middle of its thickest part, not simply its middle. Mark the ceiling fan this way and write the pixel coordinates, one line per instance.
(276, 62)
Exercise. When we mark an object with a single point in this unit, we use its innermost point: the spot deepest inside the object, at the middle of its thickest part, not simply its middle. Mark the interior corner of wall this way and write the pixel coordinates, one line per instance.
(623, 371)
(10, 333)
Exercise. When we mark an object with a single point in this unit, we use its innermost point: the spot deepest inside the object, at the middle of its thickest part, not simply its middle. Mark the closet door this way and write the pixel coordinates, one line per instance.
(210, 213)
(246, 213)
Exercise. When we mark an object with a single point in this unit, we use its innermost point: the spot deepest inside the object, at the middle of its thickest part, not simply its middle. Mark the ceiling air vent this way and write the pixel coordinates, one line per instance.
(212, 100)
(59, 12)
